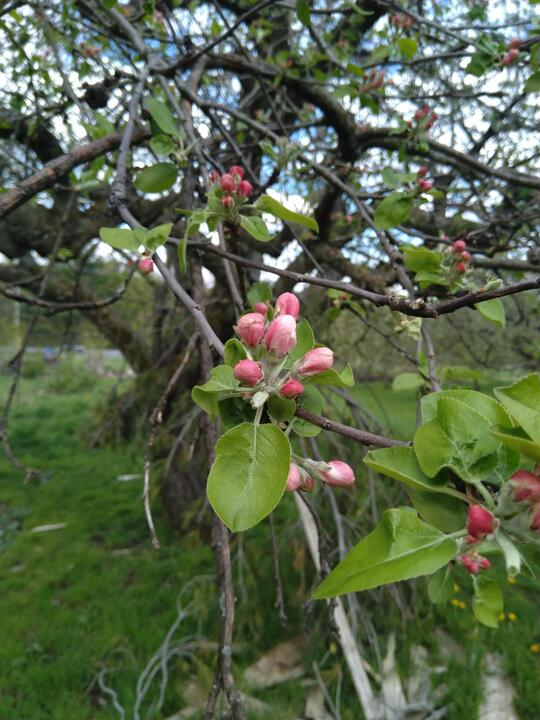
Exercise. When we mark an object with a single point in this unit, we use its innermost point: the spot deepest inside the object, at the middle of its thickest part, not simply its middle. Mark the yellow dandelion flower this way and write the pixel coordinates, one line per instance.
(502, 616)
(512, 617)
(512, 580)
(456, 588)
(535, 648)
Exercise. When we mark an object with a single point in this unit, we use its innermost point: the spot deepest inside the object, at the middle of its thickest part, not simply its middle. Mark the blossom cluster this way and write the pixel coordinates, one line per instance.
(268, 335)
(526, 490)
(480, 523)
(231, 187)
(460, 258)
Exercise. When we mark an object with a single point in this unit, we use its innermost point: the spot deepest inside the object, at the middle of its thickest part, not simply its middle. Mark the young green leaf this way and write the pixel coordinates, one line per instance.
(233, 352)
(156, 237)
(305, 341)
(156, 178)
(492, 310)
(400, 463)
(393, 211)
(488, 603)
(120, 238)
(408, 382)
(332, 377)
(248, 477)
(303, 12)
(485, 405)
(256, 227)
(441, 586)
(217, 388)
(161, 115)
(259, 292)
(311, 400)
(522, 400)
(270, 205)
(401, 547)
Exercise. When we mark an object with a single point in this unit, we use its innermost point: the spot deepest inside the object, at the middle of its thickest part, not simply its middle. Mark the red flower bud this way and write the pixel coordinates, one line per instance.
(261, 307)
(288, 304)
(465, 256)
(248, 372)
(280, 337)
(515, 44)
(461, 267)
(485, 564)
(526, 486)
(422, 171)
(227, 183)
(424, 184)
(227, 201)
(250, 328)
(480, 522)
(535, 521)
(339, 475)
(245, 188)
(146, 265)
(473, 568)
(458, 246)
(213, 176)
(236, 170)
(316, 361)
(294, 479)
(510, 57)
(291, 389)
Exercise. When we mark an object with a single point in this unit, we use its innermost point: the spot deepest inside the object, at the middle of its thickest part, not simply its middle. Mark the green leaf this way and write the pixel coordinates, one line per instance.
(522, 400)
(259, 292)
(331, 377)
(492, 310)
(270, 205)
(256, 227)
(488, 603)
(533, 83)
(518, 441)
(233, 352)
(156, 178)
(156, 237)
(162, 145)
(217, 388)
(161, 115)
(194, 221)
(487, 406)
(460, 439)
(303, 12)
(304, 342)
(119, 238)
(401, 547)
(479, 64)
(311, 400)
(248, 477)
(408, 382)
(444, 512)
(400, 463)
(441, 586)
(408, 47)
(395, 180)
(394, 210)
(234, 411)
(421, 259)
(281, 409)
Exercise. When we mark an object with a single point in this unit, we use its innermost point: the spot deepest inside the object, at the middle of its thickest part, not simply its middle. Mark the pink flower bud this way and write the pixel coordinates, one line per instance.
(510, 57)
(526, 486)
(146, 265)
(466, 561)
(280, 337)
(485, 564)
(480, 522)
(250, 328)
(461, 268)
(213, 176)
(470, 540)
(535, 520)
(261, 308)
(245, 188)
(316, 361)
(248, 372)
(424, 184)
(515, 44)
(294, 480)
(459, 246)
(473, 568)
(339, 475)
(236, 170)
(288, 304)
(422, 171)
(291, 389)
(227, 183)
(227, 201)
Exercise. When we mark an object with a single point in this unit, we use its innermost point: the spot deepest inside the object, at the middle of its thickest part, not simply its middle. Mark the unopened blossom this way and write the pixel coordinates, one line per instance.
(316, 361)
(248, 372)
(280, 337)
(339, 474)
(288, 304)
(250, 328)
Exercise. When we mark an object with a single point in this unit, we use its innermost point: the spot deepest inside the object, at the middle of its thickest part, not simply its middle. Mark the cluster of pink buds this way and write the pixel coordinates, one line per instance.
(146, 265)
(268, 343)
(425, 117)
(335, 472)
(480, 523)
(421, 181)
(373, 80)
(460, 256)
(526, 487)
(474, 562)
(401, 21)
(233, 189)
(512, 54)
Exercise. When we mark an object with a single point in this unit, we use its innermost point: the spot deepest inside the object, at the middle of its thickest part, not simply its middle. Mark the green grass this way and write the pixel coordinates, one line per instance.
(95, 595)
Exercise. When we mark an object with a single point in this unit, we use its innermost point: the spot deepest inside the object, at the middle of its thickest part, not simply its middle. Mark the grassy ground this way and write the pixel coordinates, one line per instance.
(94, 596)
